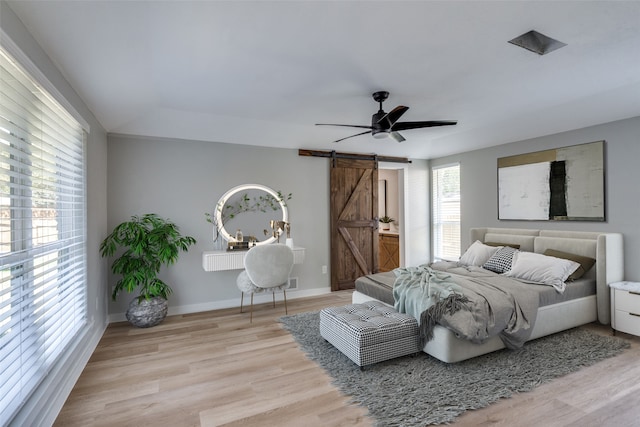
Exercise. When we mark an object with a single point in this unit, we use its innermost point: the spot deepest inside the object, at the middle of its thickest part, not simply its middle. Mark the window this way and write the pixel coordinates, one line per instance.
(42, 233)
(446, 212)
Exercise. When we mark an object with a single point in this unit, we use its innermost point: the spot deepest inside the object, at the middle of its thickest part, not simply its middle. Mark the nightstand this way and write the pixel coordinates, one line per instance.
(625, 307)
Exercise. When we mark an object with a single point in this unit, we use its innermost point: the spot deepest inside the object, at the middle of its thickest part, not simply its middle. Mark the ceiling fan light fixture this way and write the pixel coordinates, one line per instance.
(380, 134)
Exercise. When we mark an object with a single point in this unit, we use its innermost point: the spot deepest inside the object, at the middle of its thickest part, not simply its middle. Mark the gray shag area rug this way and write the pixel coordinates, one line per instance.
(420, 390)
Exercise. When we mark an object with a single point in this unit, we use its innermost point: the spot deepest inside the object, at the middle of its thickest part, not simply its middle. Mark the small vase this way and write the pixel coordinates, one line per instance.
(220, 244)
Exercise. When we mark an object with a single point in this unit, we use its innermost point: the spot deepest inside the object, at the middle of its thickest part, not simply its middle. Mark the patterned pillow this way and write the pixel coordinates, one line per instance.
(501, 260)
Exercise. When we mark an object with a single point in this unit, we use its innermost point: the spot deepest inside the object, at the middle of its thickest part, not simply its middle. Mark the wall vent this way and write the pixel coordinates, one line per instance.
(293, 284)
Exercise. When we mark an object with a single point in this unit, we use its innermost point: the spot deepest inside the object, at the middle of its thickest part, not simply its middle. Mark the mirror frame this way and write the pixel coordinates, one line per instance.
(245, 187)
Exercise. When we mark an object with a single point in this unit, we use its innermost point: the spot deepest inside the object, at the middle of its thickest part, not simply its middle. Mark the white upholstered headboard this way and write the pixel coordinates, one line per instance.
(606, 248)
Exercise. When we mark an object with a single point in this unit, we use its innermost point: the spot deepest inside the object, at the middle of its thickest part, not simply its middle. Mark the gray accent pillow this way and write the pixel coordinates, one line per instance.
(585, 262)
(513, 245)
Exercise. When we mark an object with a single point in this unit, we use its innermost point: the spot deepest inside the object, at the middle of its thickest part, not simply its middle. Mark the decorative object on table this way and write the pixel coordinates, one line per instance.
(267, 268)
(237, 246)
(277, 228)
(414, 391)
(149, 243)
(248, 207)
(562, 184)
(239, 236)
(386, 222)
(289, 241)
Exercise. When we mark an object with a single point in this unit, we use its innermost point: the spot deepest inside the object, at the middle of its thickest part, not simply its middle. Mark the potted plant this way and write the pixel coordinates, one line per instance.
(386, 222)
(149, 242)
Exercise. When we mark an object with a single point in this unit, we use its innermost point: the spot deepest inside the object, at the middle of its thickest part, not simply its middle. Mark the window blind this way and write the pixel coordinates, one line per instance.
(446, 212)
(42, 233)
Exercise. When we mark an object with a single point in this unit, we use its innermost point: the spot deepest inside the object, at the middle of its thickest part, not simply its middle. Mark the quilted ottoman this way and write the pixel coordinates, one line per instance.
(370, 332)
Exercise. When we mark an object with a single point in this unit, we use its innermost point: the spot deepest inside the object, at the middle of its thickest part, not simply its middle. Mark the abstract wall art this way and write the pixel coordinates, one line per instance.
(562, 184)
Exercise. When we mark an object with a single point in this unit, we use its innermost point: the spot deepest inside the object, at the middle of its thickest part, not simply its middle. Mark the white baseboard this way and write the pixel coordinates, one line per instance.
(230, 303)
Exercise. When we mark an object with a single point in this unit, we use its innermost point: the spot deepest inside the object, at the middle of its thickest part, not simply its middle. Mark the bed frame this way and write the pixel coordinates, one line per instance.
(606, 248)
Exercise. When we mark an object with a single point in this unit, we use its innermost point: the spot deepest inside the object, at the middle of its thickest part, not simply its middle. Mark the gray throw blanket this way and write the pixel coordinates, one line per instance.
(427, 295)
(474, 303)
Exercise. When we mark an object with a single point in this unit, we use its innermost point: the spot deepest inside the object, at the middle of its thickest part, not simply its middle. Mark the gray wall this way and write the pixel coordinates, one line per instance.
(478, 171)
(182, 180)
(43, 406)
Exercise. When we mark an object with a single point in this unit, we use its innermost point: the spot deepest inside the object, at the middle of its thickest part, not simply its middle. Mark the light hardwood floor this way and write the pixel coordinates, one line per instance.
(217, 369)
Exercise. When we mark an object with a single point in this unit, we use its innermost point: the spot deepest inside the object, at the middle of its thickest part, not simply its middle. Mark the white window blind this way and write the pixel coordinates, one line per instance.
(446, 212)
(42, 233)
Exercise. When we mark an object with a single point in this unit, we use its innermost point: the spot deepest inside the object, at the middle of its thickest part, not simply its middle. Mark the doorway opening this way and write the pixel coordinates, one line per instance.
(392, 192)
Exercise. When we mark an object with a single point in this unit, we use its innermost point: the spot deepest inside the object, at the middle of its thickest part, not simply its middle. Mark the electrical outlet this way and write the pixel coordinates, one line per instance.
(324, 269)
(293, 283)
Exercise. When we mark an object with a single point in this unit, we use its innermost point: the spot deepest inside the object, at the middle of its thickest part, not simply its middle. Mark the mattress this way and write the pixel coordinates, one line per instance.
(380, 287)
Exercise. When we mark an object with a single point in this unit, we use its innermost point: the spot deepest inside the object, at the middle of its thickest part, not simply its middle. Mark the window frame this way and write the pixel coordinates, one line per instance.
(43, 273)
(439, 240)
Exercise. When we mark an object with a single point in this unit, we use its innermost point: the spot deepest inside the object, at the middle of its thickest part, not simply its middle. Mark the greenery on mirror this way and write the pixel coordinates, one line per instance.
(245, 203)
(149, 242)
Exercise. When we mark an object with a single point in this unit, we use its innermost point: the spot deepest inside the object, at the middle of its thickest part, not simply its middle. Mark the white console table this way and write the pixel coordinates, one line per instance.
(230, 260)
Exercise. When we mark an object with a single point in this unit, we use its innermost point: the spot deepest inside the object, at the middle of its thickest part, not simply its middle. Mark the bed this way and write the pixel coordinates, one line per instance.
(567, 310)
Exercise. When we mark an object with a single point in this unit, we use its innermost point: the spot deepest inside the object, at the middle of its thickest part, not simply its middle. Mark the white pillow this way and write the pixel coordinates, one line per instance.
(543, 269)
(478, 253)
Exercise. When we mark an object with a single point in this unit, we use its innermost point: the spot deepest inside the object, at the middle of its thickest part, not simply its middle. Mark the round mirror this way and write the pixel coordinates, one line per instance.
(251, 208)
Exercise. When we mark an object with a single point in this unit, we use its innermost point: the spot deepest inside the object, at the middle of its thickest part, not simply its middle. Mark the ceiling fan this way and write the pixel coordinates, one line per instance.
(386, 124)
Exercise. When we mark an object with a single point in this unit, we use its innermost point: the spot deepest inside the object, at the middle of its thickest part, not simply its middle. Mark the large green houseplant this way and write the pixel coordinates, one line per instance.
(149, 243)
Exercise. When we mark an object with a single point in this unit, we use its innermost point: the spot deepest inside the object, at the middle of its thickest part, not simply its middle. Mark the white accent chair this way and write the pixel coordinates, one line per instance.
(267, 268)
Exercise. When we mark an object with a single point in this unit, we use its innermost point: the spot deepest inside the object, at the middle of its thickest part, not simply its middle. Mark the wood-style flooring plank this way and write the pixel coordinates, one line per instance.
(217, 369)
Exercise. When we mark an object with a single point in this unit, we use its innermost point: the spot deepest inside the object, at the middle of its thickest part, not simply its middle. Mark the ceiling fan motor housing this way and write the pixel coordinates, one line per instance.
(379, 129)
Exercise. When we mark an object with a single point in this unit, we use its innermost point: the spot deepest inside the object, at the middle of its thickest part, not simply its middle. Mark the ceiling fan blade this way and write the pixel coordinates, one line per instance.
(348, 126)
(347, 137)
(418, 125)
(392, 116)
(397, 136)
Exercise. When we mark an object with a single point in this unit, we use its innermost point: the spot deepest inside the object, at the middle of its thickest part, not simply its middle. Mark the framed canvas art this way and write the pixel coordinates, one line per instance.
(562, 184)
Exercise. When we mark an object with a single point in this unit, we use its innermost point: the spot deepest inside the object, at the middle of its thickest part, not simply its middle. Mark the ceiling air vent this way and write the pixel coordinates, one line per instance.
(537, 42)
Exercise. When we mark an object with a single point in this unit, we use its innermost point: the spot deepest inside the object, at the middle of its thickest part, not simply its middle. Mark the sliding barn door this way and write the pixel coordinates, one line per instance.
(354, 221)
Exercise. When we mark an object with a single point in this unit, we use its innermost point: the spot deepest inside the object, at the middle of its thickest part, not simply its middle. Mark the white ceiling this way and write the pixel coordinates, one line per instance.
(264, 72)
